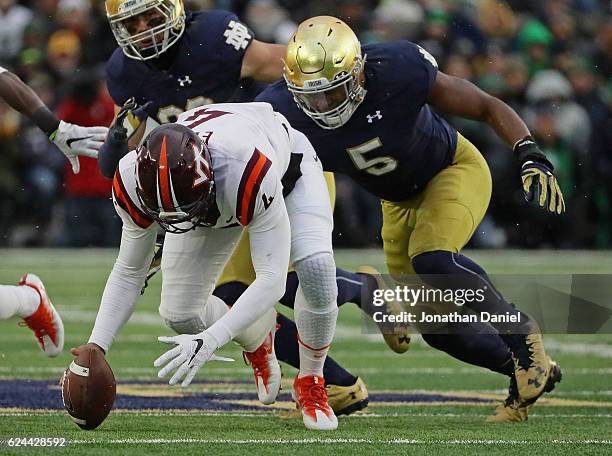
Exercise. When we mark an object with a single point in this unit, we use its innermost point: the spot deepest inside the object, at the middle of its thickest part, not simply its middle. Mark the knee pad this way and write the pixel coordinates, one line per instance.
(317, 275)
(195, 322)
(316, 329)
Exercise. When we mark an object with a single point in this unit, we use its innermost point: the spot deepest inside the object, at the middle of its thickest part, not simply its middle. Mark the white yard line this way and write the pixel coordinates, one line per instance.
(362, 370)
(208, 413)
(595, 350)
(335, 441)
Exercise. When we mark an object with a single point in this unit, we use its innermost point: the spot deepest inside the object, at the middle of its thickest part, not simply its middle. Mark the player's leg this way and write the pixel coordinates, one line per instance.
(356, 287)
(451, 208)
(315, 310)
(346, 393)
(191, 265)
(286, 331)
(480, 344)
(29, 300)
(17, 301)
(234, 280)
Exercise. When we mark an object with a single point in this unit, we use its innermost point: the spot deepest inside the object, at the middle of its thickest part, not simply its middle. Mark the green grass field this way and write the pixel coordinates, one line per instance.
(421, 402)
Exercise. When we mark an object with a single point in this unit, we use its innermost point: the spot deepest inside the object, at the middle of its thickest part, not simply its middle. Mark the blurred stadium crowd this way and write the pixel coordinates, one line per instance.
(551, 60)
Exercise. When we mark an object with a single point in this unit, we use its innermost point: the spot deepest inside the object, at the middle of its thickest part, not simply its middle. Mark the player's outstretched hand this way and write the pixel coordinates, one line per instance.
(541, 188)
(191, 352)
(540, 185)
(74, 140)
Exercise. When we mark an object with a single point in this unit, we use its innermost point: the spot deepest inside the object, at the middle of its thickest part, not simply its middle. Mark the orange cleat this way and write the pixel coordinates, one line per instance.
(45, 322)
(311, 398)
(266, 370)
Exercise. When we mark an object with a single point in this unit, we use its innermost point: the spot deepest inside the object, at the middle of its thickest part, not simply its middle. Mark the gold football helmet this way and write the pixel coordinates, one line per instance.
(323, 70)
(146, 28)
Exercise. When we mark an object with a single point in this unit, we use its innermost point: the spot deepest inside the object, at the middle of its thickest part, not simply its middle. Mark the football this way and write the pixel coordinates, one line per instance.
(88, 389)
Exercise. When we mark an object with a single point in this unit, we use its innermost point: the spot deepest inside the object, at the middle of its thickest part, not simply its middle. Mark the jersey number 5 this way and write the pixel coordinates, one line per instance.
(375, 166)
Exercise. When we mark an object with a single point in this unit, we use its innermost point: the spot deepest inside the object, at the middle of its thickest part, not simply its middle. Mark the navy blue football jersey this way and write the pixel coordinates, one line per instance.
(394, 143)
(204, 68)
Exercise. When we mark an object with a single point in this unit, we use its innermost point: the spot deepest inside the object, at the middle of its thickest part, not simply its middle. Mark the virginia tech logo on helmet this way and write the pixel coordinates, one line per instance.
(201, 171)
(175, 179)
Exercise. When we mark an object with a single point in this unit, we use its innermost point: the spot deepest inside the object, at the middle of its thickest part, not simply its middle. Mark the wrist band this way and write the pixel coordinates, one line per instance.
(526, 141)
(46, 121)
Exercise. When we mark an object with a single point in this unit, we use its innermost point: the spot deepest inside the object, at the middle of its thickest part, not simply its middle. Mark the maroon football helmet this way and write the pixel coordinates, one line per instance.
(175, 182)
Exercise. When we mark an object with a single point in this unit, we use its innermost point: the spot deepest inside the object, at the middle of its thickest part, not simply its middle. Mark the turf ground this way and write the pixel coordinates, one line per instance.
(421, 402)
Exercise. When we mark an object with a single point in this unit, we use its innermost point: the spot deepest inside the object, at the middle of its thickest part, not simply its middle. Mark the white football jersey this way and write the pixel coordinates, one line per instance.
(2, 70)
(250, 152)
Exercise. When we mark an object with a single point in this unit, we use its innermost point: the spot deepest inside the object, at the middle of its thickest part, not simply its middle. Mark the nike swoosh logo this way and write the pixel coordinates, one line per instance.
(73, 140)
(200, 342)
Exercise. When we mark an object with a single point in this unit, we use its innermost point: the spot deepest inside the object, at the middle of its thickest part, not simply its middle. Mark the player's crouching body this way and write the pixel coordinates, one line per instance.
(220, 169)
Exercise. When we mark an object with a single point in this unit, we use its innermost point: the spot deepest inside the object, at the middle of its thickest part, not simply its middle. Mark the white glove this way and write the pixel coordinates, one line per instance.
(192, 351)
(74, 140)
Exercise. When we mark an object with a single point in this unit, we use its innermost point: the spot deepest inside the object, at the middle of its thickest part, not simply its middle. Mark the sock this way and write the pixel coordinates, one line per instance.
(349, 287)
(479, 344)
(448, 270)
(286, 340)
(316, 315)
(286, 348)
(21, 301)
(479, 349)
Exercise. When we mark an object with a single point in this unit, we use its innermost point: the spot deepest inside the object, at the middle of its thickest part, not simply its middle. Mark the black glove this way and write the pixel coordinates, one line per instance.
(131, 117)
(539, 183)
(115, 146)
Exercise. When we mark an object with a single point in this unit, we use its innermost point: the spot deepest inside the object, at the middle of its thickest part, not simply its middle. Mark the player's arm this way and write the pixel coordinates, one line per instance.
(71, 139)
(270, 241)
(459, 97)
(128, 274)
(126, 132)
(24, 100)
(124, 284)
(263, 61)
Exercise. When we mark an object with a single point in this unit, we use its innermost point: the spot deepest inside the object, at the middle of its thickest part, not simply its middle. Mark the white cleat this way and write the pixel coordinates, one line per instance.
(311, 398)
(266, 370)
(45, 322)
